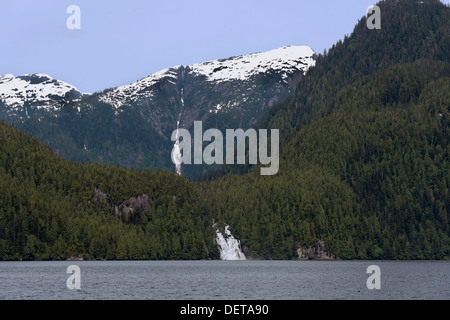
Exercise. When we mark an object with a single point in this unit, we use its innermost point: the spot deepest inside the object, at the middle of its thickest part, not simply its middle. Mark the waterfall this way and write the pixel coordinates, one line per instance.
(176, 152)
(230, 248)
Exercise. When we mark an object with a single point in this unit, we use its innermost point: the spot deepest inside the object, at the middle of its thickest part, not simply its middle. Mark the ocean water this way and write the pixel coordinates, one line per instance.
(223, 280)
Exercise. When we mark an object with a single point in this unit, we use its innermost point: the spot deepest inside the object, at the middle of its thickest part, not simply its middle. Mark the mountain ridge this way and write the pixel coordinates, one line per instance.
(288, 59)
(37, 90)
(131, 125)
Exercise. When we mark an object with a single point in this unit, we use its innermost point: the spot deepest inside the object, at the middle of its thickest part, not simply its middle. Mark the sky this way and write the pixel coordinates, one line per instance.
(122, 41)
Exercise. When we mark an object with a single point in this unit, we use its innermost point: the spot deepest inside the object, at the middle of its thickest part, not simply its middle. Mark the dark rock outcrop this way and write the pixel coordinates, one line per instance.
(317, 252)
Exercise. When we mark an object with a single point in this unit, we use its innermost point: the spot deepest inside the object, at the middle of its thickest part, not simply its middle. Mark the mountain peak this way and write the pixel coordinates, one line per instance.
(37, 89)
(285, 61)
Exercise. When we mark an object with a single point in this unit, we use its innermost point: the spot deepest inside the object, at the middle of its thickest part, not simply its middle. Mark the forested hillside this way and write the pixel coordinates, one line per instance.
(364, 166)
(369, 178)
(51, 208)
(410, 30)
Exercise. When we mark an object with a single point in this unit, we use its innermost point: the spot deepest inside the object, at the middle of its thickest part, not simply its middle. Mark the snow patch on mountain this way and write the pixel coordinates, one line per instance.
(138, 90)
(37, 89)
(286, 59)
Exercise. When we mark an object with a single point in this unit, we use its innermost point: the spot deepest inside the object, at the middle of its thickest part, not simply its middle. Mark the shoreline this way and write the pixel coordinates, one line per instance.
(252, 260)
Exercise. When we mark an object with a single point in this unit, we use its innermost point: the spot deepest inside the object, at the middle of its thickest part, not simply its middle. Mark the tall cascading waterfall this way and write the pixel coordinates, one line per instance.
(230, 248)
(176, 152)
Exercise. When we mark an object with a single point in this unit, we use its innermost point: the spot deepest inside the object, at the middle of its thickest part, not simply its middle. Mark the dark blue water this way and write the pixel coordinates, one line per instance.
(236, 280)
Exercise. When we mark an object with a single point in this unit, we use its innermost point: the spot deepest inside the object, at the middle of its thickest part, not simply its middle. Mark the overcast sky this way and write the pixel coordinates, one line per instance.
(125, 40)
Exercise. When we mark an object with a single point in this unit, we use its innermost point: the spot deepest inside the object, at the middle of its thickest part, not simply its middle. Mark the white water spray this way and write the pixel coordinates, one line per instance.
(230, 248)
(176, 152)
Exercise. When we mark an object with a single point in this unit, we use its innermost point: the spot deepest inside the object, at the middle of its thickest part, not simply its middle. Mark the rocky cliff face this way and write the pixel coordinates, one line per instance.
(317, 252)
(128, 208)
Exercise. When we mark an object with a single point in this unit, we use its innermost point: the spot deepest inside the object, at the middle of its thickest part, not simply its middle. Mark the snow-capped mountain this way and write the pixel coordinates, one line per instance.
(286, 61)
(38, 90)
(131, 125)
